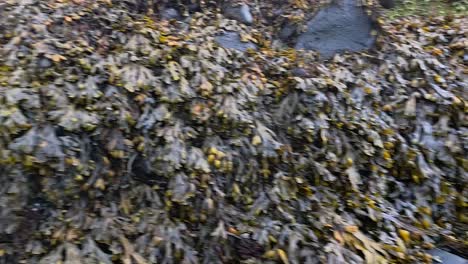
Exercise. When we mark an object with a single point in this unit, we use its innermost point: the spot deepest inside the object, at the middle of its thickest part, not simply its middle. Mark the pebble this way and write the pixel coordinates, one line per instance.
(45, 63)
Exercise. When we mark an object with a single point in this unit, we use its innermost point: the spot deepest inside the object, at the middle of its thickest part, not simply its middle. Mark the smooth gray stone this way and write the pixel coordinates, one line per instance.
(447, 257)
(45, 63)
(232, 40)
(240, 13)
(342, 26)
(299, 72)
(170, 13)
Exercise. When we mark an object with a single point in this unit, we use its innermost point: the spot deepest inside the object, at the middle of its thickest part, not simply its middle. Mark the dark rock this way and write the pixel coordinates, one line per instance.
(343, 26)
(447, 257)
(195, 7)
(39, 208)
(288, 31)
(141, 170)
(299, 72)
(232, 40)
(140, 6)
(240, 13)
(387, 3)
(170, 13)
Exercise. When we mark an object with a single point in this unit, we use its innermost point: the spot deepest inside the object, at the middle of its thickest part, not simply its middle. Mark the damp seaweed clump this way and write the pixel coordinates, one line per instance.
(125, 138)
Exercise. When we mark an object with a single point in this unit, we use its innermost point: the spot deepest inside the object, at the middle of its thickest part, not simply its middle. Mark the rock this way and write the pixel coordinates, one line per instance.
(300, 72)
(194, 7)
(240, 13)
(232, 40)
(287, 32)
(447, 257)
(387, 3)
(45, 63)
(337, 28)
(170, 13)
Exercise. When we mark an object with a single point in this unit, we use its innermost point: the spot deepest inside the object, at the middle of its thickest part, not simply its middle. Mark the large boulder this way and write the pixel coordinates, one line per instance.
(342, 26)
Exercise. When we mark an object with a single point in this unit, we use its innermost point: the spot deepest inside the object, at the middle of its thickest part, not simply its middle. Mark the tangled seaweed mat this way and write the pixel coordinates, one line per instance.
(125, 139)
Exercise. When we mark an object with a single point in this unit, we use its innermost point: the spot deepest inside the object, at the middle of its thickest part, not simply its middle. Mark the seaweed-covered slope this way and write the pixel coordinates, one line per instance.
(129, 139)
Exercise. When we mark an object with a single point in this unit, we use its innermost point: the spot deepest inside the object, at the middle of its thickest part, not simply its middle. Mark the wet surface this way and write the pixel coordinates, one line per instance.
(232, 40)
(170, 13)
(240, 13)
(342, 26)
(447, 257)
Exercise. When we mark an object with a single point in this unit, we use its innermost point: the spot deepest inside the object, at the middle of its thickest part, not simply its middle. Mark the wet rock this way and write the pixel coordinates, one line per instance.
(343, 26)
(170, 13)
(300, 72)
(387, 3)
(141, 170)
(194, 7)
(232, 40)
(45, 63)
(447, 257)
(240, 13)
(39, 208)
(288, 31)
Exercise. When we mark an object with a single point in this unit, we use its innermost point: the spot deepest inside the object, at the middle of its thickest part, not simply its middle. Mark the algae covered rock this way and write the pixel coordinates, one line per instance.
(126, 138)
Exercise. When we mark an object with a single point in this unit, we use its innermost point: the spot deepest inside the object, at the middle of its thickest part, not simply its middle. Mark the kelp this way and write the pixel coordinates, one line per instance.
(129, 139)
